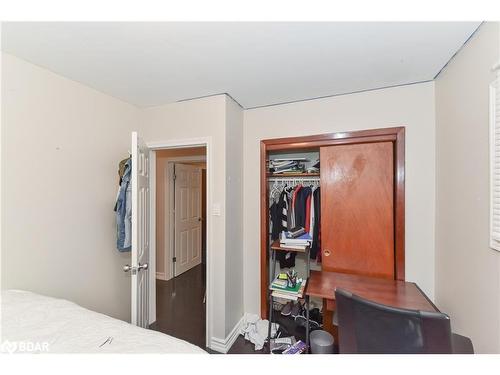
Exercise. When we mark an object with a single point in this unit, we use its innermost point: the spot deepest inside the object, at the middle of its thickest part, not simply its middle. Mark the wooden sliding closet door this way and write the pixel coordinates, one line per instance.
(357, 209)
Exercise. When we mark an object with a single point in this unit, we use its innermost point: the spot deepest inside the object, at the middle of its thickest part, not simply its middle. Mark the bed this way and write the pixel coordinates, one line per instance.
(36, 323)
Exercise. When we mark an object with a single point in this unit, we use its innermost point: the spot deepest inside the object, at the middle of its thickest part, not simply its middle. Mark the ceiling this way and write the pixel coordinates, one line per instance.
(258, 64)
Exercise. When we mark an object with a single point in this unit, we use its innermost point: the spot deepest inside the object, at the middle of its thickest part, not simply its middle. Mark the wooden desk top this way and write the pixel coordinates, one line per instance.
(393, 293)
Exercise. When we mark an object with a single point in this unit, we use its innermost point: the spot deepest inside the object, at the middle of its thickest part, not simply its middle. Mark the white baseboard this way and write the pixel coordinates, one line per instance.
(161, 276)
(223, 345)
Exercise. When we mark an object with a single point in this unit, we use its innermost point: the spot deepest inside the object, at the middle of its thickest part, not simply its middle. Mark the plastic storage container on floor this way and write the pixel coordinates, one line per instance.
(321, 342)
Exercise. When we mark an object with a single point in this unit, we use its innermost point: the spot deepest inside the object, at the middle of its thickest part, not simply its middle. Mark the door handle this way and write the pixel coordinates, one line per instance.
(127, 268)
(327, 253)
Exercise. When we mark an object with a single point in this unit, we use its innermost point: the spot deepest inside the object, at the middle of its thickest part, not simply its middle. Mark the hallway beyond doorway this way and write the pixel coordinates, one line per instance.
(180, 311)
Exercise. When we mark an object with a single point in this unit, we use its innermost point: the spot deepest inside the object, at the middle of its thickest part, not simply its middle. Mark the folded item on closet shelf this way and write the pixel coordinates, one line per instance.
(255, 329)
(283, 166)
(295, 247)
(283, 163)
(278, 163)
(296, 232)
(290, 169)
(278, 160)
(303, 239)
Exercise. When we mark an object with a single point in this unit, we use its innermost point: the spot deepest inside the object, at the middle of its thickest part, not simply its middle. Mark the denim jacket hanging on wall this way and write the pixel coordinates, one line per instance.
(123, 210)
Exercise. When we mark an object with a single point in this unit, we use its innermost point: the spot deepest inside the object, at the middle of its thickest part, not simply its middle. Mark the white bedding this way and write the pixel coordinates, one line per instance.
(35, 323)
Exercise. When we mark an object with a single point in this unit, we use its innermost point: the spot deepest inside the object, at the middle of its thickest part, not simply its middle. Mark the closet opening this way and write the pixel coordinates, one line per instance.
(288, 173)
(293, 185)
(331, 204)
(181, 243)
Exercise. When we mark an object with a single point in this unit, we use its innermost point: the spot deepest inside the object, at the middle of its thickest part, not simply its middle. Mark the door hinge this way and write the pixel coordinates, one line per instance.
(174, 259)
(175, 177)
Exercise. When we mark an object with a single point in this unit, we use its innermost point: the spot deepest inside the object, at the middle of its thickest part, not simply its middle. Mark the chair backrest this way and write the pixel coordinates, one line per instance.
(369, 327)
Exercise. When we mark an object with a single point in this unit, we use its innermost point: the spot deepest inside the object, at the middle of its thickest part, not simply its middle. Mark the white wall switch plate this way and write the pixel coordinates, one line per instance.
(216, 210)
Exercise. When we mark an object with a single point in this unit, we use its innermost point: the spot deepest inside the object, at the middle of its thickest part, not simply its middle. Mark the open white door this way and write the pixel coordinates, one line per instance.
(187, 217)
(140, 232)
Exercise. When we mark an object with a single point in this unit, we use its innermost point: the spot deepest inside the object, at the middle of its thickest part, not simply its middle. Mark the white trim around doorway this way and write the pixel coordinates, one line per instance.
(183, 143)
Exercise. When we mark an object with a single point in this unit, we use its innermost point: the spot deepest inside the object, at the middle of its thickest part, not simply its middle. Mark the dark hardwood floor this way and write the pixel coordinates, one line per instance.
(180, 311)
(242, 346)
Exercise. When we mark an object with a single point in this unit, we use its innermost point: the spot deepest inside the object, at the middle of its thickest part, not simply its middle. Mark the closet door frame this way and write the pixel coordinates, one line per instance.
(396, 135)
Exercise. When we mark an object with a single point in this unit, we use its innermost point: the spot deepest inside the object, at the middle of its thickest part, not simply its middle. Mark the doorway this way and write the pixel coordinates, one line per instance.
(180, 238)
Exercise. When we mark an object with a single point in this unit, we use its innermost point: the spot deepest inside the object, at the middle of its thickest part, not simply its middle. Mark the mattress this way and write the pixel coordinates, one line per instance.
(38, 324)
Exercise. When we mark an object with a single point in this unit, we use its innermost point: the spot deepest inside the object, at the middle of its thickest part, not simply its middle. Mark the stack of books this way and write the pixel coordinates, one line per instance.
(281, 289)
(295, 239)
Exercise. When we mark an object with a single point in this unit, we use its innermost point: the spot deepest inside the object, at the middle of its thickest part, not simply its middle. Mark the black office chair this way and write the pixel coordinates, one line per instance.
(371, 328)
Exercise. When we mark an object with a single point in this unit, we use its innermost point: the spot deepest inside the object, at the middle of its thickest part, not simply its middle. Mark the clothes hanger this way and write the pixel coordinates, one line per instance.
(274, 190)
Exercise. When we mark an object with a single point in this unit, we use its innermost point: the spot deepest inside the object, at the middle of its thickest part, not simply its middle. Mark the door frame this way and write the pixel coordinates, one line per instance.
(171, 144)
(396, 135)
(170, 162)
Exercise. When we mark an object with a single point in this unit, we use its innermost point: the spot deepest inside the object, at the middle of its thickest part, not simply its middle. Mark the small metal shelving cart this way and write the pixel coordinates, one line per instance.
(276, 246)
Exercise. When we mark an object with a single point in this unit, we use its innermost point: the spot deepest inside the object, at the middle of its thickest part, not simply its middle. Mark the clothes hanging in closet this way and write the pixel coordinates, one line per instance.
(279, 215)
(279, 220)
(308, 214)
(301, 206)
(296, 207)
(316, 229)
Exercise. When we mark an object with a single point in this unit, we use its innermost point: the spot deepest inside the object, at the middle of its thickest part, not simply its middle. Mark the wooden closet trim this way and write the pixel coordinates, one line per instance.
(395, 135)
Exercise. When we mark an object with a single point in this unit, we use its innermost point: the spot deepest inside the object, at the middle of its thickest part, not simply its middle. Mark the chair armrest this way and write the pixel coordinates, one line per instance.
(461, 344)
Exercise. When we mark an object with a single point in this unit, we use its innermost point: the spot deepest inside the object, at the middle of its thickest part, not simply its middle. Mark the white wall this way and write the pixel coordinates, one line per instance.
(61, 145)
(410, 106)
(234, 208)
(467, 270)
(206, 117)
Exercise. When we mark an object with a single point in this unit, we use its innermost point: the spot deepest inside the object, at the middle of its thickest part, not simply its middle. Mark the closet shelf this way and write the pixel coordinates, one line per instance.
(277, 246)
